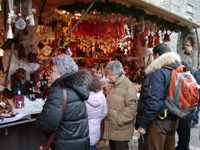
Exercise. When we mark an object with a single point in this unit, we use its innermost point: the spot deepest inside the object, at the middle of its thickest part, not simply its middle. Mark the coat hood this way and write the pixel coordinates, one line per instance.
(95, 99)
(78, 81)
(169, 58)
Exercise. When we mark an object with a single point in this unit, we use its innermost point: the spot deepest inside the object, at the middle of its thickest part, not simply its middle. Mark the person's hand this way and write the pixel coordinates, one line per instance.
(141, 130)
(137, 88)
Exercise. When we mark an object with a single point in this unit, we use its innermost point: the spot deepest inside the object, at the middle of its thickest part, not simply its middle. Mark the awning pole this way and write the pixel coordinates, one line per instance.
(68, 34)
(41, 11)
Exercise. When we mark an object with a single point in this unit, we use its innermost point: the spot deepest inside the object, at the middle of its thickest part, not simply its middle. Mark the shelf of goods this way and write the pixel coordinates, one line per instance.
(19, 129)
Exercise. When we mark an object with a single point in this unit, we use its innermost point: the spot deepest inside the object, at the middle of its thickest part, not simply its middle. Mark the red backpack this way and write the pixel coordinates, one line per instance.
(183, 94)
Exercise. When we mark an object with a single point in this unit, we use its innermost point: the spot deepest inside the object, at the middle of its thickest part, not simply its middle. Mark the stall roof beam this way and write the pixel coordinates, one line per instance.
(149, 8)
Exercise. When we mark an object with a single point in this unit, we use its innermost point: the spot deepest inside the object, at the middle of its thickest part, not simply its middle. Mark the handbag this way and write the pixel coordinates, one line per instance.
(52, 136)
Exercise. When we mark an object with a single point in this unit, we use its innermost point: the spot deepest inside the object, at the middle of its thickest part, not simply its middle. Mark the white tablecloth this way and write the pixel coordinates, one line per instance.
(30, 107)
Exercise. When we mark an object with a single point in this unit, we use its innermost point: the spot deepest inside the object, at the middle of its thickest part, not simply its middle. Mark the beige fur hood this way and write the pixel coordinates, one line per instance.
(163, 60)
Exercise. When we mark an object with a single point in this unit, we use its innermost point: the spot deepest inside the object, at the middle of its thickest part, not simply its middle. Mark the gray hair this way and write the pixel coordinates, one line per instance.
(116, 67)
(65, 64)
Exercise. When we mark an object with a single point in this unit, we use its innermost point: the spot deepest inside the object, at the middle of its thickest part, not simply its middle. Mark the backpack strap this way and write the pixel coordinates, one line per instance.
(180, 68)
(165, 111)
(168, 67)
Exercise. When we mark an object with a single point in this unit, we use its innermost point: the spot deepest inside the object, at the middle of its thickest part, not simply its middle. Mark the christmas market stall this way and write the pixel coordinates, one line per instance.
(92, 32)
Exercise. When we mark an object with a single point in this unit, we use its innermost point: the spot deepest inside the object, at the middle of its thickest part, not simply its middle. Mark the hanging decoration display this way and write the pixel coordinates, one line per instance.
(20, 22)
(99, 38)
(139, 14)
(108, 35)
(109, 32)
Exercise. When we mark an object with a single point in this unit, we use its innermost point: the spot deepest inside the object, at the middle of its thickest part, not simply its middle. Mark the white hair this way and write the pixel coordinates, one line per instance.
(65, 64)
(116, 67)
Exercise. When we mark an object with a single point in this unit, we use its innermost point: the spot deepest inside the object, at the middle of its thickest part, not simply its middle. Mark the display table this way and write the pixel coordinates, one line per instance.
(30, 108)
(20, 132)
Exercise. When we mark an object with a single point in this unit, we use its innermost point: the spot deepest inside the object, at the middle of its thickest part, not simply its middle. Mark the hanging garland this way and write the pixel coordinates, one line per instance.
(107, 8)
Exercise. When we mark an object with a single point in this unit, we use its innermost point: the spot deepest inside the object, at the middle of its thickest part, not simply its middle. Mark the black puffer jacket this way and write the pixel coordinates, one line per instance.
(73, 130)
(143, 95)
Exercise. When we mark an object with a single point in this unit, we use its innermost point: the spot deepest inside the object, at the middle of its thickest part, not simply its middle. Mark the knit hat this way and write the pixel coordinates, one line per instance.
(161, 49)
(65, 64)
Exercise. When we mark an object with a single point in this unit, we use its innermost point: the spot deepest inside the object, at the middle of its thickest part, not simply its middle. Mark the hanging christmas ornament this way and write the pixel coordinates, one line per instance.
(11, 19)
(167, 36)
(0, 5)
(127, 31)
(132, 32)
(20, 23)
(11, 14)
(10, 33)
(30, 17)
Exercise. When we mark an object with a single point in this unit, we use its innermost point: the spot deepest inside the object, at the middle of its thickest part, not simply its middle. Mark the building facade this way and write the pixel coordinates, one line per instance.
(190, 9)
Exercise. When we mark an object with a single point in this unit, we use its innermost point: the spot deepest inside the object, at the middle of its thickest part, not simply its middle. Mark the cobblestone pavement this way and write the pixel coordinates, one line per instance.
(194, 139)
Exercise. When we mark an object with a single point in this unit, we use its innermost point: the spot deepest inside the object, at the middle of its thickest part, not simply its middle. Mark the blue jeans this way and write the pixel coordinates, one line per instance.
(195, 119)
(92, 147)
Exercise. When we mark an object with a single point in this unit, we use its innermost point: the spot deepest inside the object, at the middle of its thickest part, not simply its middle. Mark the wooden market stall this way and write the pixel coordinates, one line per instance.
(95, 31)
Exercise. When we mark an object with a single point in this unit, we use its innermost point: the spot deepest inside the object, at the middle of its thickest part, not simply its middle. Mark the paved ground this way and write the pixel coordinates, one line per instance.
(194, 140)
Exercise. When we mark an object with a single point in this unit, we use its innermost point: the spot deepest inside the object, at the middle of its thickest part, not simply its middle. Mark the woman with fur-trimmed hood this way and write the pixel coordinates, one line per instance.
(159, 134)
(73, 130)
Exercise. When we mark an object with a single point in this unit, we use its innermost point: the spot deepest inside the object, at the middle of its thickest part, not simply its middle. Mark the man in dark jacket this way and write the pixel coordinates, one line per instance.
(72, 131)
(159, 134)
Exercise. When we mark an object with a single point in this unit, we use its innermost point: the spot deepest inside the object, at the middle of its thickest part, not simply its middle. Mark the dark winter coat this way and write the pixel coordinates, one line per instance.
(73, 131)
(155, 88)
(143, 94)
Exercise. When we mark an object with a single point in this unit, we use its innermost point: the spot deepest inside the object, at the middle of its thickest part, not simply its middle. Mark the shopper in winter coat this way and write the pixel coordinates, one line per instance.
(73, 130)
(97, 110)
(122, 107)
(184, 126)
(195, 119)
(159, 134)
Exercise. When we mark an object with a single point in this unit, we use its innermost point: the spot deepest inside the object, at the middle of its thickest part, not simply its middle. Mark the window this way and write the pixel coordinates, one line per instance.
(189, 11)
(189, 8)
